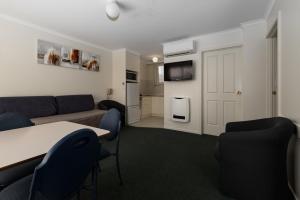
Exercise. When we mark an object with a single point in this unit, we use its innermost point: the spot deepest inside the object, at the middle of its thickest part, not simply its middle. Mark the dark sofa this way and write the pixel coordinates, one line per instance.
(46, 109)
(253, 159)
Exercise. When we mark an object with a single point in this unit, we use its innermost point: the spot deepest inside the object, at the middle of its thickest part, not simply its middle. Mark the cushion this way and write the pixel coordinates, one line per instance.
(10, 121)
(81, 117)
(35, 106)
(74, 103)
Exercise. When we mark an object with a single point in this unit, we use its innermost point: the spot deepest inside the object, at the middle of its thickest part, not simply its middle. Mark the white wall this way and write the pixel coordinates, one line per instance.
(253, 84)
(289, 34)
(189, 89)
(119, 76)
(289, 60)
(123, 60)
(193, 89)
(254, 73)
(133, 61)
(20, 75)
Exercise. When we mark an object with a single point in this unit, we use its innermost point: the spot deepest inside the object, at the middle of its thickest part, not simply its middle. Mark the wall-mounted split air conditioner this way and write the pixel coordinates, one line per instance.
(179, 48)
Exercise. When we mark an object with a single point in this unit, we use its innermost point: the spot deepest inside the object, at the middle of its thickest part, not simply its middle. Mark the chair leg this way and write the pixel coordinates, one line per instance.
(118, 168)
(95, 183)
(99, 167)
(78, 195)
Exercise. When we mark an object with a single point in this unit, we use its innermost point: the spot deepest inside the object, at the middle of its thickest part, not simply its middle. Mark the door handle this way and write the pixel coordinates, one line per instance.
(239, 93)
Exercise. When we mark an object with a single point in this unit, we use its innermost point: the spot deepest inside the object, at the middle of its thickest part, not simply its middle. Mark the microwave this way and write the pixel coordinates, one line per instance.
(131, 76)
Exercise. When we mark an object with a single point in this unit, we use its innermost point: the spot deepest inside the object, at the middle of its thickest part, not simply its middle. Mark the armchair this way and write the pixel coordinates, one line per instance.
(253, 159)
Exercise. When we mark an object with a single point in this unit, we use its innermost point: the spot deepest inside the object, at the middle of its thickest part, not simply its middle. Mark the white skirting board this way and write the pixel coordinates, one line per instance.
(183, 130)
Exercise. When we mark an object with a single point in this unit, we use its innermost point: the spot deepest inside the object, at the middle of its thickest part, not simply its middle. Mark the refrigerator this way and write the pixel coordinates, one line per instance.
(133, 102)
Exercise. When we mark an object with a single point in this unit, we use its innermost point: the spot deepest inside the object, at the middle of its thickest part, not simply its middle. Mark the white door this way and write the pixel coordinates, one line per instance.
(221, 89)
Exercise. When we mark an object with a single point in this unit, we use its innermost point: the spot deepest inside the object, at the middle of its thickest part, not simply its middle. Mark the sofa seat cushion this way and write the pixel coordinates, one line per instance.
(32, 107)
(74, 103)
(89, 118)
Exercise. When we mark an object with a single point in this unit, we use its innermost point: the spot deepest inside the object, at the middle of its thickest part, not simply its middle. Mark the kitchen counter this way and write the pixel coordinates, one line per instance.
(152, 106)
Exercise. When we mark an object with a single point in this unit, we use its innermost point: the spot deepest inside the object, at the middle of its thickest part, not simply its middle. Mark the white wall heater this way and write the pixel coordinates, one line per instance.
(180, 109)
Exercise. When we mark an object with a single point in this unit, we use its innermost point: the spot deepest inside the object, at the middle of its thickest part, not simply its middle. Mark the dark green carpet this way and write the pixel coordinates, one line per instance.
(162, 164)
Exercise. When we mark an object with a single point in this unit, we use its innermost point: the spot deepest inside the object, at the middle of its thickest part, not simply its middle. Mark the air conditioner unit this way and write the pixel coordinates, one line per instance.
(179, 48)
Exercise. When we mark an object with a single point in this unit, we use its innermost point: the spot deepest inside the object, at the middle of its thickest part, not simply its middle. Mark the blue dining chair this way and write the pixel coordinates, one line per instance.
(111, 121)
(62, 172)
(10, 121)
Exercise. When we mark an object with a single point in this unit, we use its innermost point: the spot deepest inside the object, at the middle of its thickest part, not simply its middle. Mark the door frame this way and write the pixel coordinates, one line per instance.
(217, 48)
(275, 28)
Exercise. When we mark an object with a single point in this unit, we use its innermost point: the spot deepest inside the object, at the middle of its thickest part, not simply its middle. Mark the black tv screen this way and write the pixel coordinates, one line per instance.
(178, 71)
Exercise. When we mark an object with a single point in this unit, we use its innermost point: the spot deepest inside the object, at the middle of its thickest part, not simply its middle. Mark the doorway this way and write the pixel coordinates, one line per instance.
(151, 95)
(273, 60)
(221, 89)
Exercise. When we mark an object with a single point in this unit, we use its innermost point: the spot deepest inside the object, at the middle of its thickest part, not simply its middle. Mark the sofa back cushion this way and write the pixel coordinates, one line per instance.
(74, 103)
(32, 106)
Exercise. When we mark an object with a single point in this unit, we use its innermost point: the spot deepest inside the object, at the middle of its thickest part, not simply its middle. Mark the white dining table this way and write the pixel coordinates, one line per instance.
(23, 144)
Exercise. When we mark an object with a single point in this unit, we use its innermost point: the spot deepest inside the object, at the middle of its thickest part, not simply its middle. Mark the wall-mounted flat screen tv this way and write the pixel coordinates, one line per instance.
(179, 71)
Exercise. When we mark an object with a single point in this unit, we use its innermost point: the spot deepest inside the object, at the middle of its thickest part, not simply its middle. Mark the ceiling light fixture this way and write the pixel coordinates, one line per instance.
(155, 59)
(112, 10)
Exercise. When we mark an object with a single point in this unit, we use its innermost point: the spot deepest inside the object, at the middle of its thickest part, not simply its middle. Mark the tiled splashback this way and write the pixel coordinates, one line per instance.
(147, 81)
(147, 87)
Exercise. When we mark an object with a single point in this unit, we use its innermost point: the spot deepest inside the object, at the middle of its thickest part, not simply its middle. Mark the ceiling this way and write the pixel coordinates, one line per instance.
(143, 26)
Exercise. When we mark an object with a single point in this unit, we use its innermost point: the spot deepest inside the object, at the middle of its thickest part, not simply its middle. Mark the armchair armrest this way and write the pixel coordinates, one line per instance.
(247, 125)
(250, 147)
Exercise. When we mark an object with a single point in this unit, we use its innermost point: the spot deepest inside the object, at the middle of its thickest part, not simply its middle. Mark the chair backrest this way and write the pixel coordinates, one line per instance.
(111, 121)
(10, 121)
(66, 166)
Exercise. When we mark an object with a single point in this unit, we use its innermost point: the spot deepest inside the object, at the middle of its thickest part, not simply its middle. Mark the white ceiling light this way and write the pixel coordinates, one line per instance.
(112, 10)
(155, 59)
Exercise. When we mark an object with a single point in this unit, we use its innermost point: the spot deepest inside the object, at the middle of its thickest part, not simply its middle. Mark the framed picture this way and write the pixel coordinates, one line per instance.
(54, 54)
(70, 58)
(90, 61)
(48, 53)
